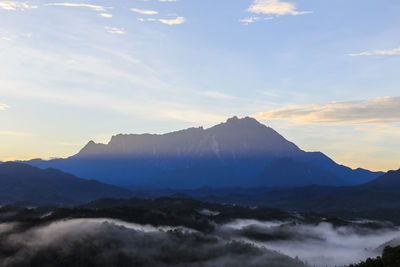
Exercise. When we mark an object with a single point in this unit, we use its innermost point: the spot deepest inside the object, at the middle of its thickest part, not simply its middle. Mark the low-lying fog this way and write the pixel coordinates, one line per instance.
(106, 242)
(317, 245)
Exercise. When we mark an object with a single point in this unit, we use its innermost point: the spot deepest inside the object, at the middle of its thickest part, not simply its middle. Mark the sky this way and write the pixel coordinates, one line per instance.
(324, 74)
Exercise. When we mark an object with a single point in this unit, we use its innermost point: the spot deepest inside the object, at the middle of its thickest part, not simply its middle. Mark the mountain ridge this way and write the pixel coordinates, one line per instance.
(206, 138)
(234, 152)
(22, 182)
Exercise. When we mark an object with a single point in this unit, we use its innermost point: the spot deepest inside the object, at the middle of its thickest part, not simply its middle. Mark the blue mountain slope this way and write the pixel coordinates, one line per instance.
(229, 154)
(284, 172)
(21, 182)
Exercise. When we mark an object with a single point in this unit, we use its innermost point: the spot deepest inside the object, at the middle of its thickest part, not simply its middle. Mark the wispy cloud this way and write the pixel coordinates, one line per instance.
(250, 20)
(275, 7)
(146, 19)
(269, 93)
(194, 116)
(15, 5)
(106, 15)
(216, 95)
(114, 30)
(3, 106)
(167, 0)
(176, 21)
(93, 7)
(382, 52)
(372, 111)
(144, 12)
(247, 21)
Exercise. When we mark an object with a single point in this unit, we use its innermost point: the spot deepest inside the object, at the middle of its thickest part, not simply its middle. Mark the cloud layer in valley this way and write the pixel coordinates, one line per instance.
(319, 245)
(101, 242)
(243, 242)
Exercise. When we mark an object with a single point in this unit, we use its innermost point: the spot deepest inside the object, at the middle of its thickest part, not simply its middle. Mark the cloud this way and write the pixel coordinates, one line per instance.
(15, 5)
(373, 111)
(238, 242)
(275, 7)
(193, 116)
(169, 1)
(144, 12)
(93, 7)
(216, 95)
(106, 15)
(247, 21)
(134, 82)
(384, 52)
(106, 242)
(317, 244)
(114, 30)
(269, 93)
(3, 106)
(146, 19)
(176, 21)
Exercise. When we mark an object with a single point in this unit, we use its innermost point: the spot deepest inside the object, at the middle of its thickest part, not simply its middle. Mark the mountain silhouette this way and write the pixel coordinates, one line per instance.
(235, 138)
(377, 199)
(233, 153)
(391, 180)
(21, 182)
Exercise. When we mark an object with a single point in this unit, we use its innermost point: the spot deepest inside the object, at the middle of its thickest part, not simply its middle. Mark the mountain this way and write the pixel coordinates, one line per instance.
(21, 182)
(284, 172)
(234, 139)
(357, 176)
(377, 199)
(234, 153)
(390, 180)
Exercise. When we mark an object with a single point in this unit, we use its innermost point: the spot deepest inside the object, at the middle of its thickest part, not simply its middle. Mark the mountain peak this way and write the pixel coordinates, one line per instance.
(92, 148)
(242, 123)
(236, 119)
(233, 119)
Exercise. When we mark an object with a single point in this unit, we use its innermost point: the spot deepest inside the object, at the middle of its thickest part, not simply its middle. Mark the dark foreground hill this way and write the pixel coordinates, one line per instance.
(390, 258)
(236, 153)
(21, 182)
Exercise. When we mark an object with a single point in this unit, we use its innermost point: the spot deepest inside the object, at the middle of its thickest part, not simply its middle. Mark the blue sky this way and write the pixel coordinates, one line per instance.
(323, 73)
